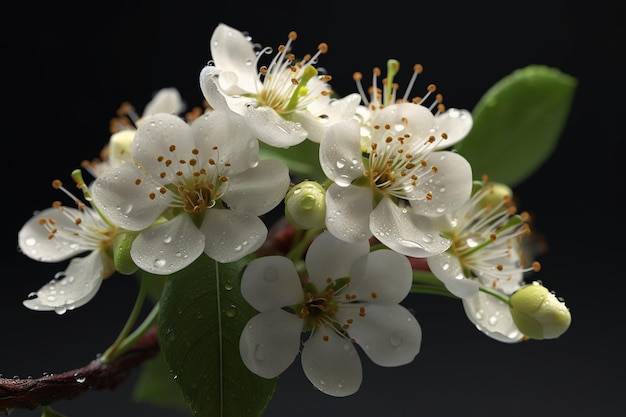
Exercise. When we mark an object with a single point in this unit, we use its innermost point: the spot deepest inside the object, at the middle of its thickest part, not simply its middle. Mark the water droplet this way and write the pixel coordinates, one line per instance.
(228, 286)
(427, 238)
(80, 378)
(167, 239)
(60, 310)
(410, 243)
(231, 311)
(259, 352)
(159, 263)
(270, 274)
(396, 339)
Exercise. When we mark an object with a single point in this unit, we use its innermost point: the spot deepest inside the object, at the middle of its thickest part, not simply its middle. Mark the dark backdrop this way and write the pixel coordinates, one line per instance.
(68, 68)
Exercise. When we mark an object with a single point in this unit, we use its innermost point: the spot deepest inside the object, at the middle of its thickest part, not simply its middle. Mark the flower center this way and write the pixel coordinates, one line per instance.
(486, 233)
(286, 85)
(396, 163)
(90, 230)
(194, 186)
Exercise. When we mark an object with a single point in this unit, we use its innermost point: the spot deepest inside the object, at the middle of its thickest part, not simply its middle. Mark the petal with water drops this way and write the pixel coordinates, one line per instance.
(34, 240)
(448, 270)
(405, 232)
(332, 363)
(77, 286)
(232, 51)
(329, 257)
(456, 123)
(168, 247)
(231, 235)
(270, 342)
(271, 282)
(381, 277)
(348, 212)
(340, 153)
(389, 335)
(492, 317)
(259, 189)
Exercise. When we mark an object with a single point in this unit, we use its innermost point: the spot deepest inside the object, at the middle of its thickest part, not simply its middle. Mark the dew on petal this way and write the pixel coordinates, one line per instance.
(396, 339)
(259, 352)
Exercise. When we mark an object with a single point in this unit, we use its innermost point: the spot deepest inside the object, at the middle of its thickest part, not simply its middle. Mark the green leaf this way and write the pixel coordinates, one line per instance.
(301, 159)
(201, 318)
(157, 387)
(517, 123)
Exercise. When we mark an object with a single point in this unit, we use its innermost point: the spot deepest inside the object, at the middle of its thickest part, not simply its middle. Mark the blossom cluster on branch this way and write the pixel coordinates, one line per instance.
(376, 200)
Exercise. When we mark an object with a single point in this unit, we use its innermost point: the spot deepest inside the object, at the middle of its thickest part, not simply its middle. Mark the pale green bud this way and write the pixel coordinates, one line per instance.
(305, 205)
(538, 313)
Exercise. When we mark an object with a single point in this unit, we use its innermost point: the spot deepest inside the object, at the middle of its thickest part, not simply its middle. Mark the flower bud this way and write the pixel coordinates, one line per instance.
(119, 145)
(538, 313)
(305, 205)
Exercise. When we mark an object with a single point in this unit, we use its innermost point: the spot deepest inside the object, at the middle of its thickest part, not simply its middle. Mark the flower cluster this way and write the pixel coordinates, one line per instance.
(171, 188)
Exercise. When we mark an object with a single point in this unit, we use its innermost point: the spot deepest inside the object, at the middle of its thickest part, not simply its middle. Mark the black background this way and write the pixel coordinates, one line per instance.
(67, 69)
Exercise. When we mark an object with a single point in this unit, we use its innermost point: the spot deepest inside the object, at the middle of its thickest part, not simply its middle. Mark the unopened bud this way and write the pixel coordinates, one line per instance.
(305, 205)
(538, 313)
(119, 145)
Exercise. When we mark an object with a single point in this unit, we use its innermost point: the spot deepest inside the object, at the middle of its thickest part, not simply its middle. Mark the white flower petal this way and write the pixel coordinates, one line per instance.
(408, 117)
(451, 186)
(331, 257)
(270, 342)
(259, 189)
(348, 212)
(405, 232)
(168, 247)
(333, 366)
(389, 335)
(447, 268)
(232, 51)
(153, 141)
(381, 277)
(340, 153)
(492, 317)
(232, 235)
(456, 123)
(209, 76)
(271, 128)
(271, 282)
(34, 242)
(125, 201)
(166, 100)
(324, 112)
(237, 148)
(80, 283)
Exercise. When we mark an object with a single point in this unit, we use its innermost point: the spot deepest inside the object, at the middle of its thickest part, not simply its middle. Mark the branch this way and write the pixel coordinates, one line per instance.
(30, 393)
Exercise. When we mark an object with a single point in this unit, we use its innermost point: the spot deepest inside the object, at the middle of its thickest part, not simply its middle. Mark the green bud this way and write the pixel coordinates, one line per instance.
(121, 253)
(538, 313)
(305, 205)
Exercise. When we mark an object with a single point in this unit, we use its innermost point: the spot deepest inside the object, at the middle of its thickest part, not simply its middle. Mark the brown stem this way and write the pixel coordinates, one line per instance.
(30, 393)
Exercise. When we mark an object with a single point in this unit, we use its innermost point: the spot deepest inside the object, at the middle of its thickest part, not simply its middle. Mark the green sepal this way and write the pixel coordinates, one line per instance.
(517, 123)
(201, 319)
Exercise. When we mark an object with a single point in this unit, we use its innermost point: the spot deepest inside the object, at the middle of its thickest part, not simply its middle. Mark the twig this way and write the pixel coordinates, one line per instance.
(30, 393)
